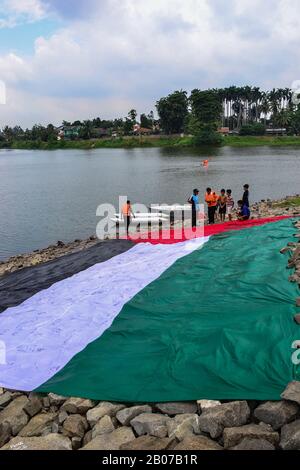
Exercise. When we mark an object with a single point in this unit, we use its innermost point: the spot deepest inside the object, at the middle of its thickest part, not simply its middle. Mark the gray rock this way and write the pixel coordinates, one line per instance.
(87, 438)
(49, 442)
(214, 420)
(128, 414)
(183, 426)
(1, 391)
(233, 436)
(56, 400)
(78, 405)
(5, 433)
(104, 408)
(76, 443)
(104, 426)
(33, 406)
(198, 443)
(253, 444)
(150, 423)
(149, 443)
(75, 426)
(62, 417)
(5, 399)
(112, 441)
(290, 436)
(292, 392)
(55, 428)
(276, 413)
(46, 402)
(40, 425)
(14, 415)
(176, 408)
(204, 405)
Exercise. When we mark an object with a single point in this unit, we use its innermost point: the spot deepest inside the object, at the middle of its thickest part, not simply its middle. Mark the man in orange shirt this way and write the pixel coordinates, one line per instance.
(211, 198)
(127, 213)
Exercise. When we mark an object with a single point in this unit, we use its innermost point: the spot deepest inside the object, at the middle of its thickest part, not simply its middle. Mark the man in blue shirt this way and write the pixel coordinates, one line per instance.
(244, 213)
(194, 200)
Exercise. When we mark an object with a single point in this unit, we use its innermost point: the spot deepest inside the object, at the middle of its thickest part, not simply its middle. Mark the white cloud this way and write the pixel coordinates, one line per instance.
(14, 12)
(129, 54)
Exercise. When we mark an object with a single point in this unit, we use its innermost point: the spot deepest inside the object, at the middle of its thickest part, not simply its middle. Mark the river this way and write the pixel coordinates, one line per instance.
(47, 196)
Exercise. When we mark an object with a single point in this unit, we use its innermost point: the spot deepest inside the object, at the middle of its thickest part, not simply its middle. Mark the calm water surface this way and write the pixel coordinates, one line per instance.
(49, 196)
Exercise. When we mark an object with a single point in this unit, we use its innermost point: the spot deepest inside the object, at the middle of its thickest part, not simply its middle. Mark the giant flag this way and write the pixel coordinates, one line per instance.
(210, 317)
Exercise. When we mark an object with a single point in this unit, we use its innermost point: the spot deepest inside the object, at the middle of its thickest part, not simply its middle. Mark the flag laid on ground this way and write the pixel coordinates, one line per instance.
(205, 318)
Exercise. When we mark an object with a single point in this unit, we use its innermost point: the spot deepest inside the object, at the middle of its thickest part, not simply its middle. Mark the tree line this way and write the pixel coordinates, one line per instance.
(245, 110)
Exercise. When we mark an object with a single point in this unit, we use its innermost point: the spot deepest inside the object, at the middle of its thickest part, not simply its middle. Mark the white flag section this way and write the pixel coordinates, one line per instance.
(43, 334)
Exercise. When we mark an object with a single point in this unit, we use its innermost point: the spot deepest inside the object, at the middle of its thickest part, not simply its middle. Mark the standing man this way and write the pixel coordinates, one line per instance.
(194, 200)
(211, 198)
(246, 195)
(127, 213)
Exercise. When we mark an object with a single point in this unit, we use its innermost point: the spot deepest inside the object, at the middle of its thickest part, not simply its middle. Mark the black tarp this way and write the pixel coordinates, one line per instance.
(18, 286)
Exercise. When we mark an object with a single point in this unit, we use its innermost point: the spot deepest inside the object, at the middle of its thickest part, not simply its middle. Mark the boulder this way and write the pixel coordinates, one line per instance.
(104, 426)
(40, 425)
(14, 415)
(292, 392)
(214, 420)
(33, 406)
(290, 436)
(5, 399)
(111, 441)
(104, 408)
(128, 414)
(87, 438)
(56, 400)
(176, 408)
(5, 433)
(78, 405)
(276, 413)
(183, 426)
(62, 417)
(204, 405)
(150, 423)
(75, 426)
(298, 302)
(233, 436)
(76, 443)
(253, 444)
(149, 443)
(49, 442)
(197, 443)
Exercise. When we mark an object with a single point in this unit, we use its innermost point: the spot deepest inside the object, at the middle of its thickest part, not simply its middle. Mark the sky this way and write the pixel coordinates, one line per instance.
(79, 59)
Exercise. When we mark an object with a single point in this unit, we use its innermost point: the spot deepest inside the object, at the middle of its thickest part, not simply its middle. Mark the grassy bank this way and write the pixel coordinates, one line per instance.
(140, 142)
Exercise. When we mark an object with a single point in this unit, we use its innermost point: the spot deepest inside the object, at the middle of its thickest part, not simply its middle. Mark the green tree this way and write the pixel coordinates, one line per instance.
(206, 115)
(172, 111)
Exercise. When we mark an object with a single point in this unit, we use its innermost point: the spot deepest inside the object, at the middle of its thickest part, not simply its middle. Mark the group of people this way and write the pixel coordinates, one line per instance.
(217, 206)
(220, 205)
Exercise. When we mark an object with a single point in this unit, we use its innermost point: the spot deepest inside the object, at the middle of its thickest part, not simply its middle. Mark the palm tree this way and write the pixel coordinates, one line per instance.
(265, 106)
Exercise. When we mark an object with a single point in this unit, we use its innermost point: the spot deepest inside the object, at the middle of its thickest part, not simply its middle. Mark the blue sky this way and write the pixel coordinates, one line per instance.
(69, 59)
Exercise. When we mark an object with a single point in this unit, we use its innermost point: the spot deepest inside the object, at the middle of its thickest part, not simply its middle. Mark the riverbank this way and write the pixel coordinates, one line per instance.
(286, 206)
(152, 141)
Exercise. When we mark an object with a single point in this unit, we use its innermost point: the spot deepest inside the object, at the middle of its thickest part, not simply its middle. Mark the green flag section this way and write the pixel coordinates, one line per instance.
(218, 324)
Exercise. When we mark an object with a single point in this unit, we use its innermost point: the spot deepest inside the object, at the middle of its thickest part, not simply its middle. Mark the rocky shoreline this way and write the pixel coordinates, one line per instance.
(29, 421)
(265, 208)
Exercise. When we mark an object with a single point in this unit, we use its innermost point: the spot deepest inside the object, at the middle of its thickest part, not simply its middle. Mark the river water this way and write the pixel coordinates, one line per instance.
(47, 196)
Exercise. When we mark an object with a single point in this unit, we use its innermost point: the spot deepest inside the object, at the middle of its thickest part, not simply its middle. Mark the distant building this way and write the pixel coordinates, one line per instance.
(99, 132)
(281, 131)
(224, 130)
(138, 130)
